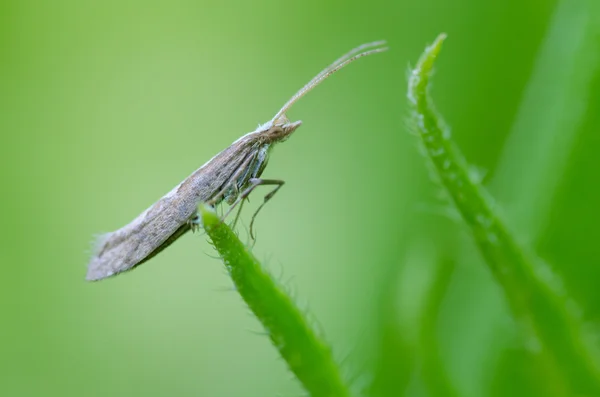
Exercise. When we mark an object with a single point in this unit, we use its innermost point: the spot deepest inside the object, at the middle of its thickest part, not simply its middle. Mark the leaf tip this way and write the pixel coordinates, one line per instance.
(431, 53)
(207, 215)
(419, 77)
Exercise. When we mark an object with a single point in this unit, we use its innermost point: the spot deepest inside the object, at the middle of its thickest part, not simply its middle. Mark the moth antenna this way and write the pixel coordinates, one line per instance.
(352, 52)
(338, 64)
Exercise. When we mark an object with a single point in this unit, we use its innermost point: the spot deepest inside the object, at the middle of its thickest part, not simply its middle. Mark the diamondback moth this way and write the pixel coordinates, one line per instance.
(229, 176)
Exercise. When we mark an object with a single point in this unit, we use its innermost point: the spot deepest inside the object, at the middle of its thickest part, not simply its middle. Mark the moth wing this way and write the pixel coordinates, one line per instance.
(125, 248)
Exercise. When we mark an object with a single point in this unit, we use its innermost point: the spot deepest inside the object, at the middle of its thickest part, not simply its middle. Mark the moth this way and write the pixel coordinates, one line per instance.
(230, 176)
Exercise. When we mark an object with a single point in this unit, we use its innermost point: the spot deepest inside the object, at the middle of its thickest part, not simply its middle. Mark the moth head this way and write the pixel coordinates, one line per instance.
(280, 130)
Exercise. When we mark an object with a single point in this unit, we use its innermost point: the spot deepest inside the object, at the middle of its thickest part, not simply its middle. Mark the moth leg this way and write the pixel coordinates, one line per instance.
(237, 215)
(194, 223)
(278, 184)
(254, 183)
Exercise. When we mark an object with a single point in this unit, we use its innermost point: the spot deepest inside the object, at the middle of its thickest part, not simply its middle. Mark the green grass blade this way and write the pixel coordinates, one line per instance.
(434, 372)
(397, 355)
(551, 331)
(307, 356)
(549, 122)
(550, 116)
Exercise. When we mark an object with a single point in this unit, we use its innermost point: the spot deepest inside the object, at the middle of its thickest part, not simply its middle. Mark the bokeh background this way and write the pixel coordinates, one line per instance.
(105, 106)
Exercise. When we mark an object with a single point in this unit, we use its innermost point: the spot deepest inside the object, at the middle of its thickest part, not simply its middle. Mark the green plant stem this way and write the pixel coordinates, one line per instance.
(307, 356)
(551, 330)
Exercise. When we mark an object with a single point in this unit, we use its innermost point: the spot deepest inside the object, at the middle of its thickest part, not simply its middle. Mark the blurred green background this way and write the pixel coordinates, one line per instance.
(105, 106)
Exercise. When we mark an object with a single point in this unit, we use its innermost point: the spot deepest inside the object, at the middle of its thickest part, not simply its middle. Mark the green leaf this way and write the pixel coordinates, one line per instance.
(307, 356)
(553, 334)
